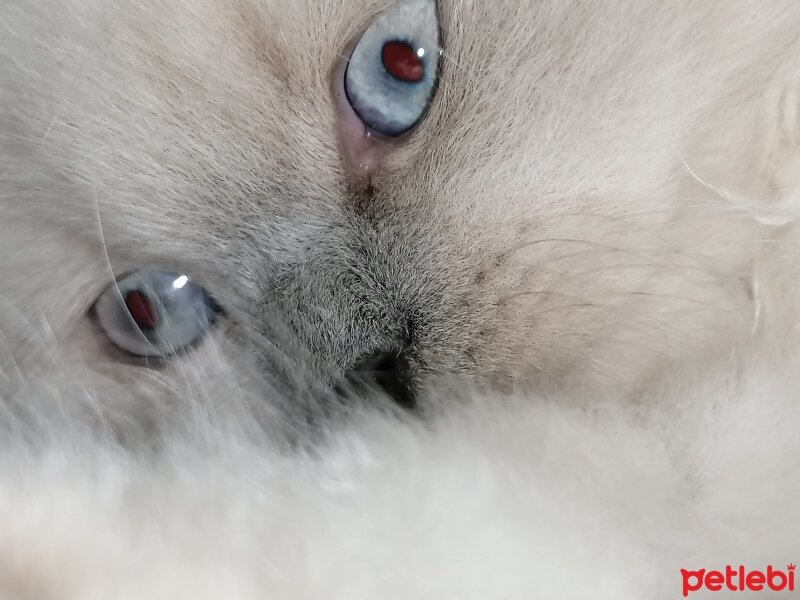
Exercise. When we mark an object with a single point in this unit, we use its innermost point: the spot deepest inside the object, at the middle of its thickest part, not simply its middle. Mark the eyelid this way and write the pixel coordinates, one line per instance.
(361, 148)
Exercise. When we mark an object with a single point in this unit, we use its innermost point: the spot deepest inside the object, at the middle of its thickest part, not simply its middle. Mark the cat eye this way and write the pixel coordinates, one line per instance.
(155, 314)
(391, 76)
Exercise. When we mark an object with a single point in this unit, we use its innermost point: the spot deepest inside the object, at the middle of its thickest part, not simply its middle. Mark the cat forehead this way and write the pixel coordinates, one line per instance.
(204, 103)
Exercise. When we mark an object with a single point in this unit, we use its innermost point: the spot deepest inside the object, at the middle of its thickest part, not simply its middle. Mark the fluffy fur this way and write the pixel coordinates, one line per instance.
(587, 250)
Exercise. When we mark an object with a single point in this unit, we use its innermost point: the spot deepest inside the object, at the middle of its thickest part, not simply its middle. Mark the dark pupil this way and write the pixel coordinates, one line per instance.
(401, 62)
(141, 310)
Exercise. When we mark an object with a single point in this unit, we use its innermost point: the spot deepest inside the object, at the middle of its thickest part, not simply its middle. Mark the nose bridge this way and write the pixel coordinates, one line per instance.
(382, 311)
(349, 296)
(381, 278)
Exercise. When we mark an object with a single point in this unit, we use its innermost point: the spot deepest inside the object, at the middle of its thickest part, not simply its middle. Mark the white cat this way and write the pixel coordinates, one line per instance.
(397, 298)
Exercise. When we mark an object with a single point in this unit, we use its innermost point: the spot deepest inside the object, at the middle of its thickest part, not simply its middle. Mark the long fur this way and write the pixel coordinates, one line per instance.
(588, 249)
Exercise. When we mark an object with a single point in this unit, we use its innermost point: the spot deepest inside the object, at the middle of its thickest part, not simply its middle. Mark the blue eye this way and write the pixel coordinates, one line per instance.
(391, 76)
(155, 314)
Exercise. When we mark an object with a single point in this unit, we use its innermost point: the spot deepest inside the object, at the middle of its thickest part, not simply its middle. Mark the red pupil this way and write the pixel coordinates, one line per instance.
(141, 310)
(402, 62)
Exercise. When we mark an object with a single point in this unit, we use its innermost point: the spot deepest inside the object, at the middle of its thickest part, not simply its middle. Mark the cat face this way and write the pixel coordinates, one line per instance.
(538, 223)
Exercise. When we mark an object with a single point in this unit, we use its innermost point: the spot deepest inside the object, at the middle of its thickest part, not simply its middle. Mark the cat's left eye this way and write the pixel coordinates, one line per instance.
(155, 314)
(392, 73)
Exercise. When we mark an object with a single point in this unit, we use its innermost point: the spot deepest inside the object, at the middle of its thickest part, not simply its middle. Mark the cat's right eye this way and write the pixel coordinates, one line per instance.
(155, 314)
(392, 73)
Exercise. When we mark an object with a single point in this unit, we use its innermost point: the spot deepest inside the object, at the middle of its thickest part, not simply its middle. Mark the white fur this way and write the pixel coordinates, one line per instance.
(529, 500)
(592, 236)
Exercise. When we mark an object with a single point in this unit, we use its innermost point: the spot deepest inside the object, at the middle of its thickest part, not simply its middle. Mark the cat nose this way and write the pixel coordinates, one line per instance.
(389, 371)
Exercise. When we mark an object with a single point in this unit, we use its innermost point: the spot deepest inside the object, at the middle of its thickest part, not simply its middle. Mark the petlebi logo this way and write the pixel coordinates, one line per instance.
(739, 580)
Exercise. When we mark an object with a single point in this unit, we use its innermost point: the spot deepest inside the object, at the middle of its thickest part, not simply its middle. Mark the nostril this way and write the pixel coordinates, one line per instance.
(390, 371)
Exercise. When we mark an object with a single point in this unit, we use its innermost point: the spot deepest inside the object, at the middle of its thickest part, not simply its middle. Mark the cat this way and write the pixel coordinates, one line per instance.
(396, 298)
